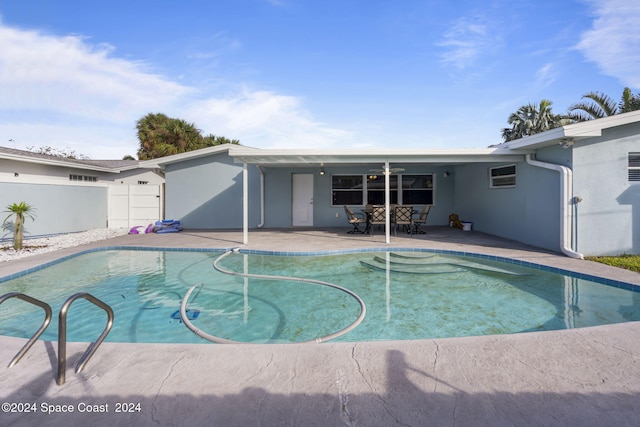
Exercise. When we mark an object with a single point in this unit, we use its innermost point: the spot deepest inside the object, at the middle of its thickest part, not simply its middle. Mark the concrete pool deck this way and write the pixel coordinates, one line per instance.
(580, 377)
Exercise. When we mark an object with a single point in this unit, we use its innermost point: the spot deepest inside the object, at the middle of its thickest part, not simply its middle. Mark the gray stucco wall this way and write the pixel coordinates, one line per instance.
(609, 214)
(528, 212)
(206, 193)
(278, 183)
(58, 208)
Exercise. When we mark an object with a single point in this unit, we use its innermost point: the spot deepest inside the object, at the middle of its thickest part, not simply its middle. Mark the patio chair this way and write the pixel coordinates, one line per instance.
(378, 216)
(403, 216)
(354, 220)
(421, 220)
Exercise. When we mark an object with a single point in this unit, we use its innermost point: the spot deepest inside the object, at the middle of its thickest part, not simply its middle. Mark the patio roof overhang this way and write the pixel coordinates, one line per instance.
(295, 157)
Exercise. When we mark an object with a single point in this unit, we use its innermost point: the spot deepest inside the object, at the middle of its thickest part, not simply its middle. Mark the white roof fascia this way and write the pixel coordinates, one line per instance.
(586, 129)
(128, 168)
(176, 158)
(55, 162)
(374, 155)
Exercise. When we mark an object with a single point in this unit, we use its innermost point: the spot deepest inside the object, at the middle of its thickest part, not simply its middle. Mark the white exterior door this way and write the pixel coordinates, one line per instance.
(302, 199)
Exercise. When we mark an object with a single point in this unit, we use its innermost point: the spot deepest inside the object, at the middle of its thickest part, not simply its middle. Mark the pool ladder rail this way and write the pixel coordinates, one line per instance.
(47, 319)
(62, 330)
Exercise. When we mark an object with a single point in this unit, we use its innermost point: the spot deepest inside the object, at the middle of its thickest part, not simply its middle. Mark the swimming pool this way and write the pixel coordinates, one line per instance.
(408, 295)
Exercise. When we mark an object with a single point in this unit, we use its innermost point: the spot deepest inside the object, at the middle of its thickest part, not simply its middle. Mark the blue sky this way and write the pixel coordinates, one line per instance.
(77, 75)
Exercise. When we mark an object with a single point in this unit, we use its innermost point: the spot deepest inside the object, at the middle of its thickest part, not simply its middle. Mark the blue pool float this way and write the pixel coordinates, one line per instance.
(167, 226)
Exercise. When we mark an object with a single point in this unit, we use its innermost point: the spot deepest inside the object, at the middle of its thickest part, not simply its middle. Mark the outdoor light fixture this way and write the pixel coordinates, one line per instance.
(322, 171)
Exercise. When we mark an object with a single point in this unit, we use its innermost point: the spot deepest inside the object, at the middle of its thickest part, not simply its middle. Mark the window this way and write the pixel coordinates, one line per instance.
(360, 189)
(375, 189)
(417, 189)
(346, 189)
(85, 178)
(503, 176)
(634, 166)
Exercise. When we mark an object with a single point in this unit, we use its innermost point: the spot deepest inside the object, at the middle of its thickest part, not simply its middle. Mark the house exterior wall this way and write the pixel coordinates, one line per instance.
(133, 177)
(206, 193)
(50, 174)
(608, 217)
(58, 208)
(278, 203)
(61, 205)
(528, 212)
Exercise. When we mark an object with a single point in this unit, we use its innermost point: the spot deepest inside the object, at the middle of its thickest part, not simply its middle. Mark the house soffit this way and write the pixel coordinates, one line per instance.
(311, 158)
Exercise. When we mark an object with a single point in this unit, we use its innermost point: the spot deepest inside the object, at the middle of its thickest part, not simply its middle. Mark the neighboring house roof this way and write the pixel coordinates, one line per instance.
(575, 131)
(113, 166)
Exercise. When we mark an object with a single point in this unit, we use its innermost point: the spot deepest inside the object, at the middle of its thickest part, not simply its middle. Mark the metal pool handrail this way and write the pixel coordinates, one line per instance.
(202, 334)
(62, 335)
(47, 319)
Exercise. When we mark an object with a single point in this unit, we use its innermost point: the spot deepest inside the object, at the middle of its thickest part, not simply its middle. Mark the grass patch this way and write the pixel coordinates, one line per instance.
(630, 262)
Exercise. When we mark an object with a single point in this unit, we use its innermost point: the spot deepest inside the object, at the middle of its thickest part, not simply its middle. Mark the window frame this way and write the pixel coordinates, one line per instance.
(633, 170)
(82, 178)
(366, 178)
(493, 178)
(348, 190)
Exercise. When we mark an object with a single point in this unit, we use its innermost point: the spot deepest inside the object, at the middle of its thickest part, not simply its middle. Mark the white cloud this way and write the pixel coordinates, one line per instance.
(68, 76)
(65, 92)
(546, 75)
(614, 39)
(465, 41)
(265, 119)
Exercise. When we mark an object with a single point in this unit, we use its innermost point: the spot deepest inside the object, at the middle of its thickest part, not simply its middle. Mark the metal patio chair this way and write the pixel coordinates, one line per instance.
(378, 217)
(403, 216)
(354, 220)
(421, 220)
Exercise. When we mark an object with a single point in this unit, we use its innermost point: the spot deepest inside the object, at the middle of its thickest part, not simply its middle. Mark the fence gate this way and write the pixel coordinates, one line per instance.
(134, 205)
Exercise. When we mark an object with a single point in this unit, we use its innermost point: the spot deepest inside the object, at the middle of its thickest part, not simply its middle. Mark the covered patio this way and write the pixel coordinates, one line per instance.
(375, 169)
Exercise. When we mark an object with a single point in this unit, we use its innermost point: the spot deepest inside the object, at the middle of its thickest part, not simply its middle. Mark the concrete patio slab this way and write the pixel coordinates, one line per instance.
(579, 377)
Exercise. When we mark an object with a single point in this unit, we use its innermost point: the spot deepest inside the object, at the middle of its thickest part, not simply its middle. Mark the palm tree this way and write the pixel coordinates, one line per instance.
(629, 101)
(161, 136)
(602, 105)
(20, 210)
(531, 119)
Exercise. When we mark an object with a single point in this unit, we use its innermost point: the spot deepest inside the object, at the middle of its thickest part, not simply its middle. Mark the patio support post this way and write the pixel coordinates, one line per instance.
(245, 204)
(387, 220)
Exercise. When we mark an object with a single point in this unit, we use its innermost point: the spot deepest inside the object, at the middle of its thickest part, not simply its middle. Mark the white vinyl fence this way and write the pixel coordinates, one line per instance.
(134, 205)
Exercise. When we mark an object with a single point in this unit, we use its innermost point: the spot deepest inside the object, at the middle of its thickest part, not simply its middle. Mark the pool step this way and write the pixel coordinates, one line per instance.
(430, 263)
(431, 268)
(412, 255)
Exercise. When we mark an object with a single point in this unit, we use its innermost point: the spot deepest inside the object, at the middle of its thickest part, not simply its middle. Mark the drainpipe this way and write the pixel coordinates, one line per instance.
(566, 192)
(261, 196)
(245, 204)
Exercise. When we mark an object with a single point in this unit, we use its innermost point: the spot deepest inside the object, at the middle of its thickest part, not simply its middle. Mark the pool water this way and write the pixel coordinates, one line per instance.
(408, 295)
